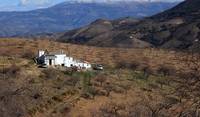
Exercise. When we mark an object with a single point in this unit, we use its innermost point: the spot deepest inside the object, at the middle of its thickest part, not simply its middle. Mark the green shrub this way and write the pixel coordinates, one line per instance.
(86, 89)
(142, 76)
(87, 74)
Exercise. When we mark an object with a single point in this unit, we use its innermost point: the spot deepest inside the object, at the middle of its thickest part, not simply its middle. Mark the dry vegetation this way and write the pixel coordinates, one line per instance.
(107, 56)
(135, 83)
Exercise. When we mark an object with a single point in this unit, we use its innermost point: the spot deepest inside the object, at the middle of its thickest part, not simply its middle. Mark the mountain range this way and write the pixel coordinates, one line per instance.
(176, 28)
(70, 15)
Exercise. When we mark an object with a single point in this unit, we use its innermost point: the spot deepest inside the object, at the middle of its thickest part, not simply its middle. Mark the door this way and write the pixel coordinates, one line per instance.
(50, 61)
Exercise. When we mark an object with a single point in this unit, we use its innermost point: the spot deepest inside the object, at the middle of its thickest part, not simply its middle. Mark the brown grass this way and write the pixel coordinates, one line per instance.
(49, 92)
(107, 56)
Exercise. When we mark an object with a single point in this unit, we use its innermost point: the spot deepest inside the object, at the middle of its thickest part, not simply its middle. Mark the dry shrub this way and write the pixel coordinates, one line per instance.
(100, 92)
(146, 71)
(100, 79)
(138, 110)
(5, 52)
(114, 109)
(50, 73)
(166, 70)
(153, 86)
(12, 71)
(57, 98)
(149, 108)
(111, 109)
(11, 100)
(72, 81)
(127, 65)
(28, 55)
(90, 94)
(65, 109)
(108, 88)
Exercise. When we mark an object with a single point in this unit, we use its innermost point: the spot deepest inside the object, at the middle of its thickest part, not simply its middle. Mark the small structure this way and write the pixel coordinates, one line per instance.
(60, 59)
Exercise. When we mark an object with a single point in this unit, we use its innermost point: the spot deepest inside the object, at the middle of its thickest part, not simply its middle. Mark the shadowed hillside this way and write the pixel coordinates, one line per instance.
(177, 28)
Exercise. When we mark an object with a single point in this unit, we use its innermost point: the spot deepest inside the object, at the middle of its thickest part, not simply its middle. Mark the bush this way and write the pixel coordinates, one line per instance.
(85, 87)
(65, 109)
(57, 98)
(50, 73)
(101, 79)
(87, 91)
(83, 74)
(142, 76)
(146, 72)
(162, 82)
(111, 109)
(71, 71)
(72, 81)
(165, 70)
(11, 71)
(108, 87)
(28, 55)
(126, 65)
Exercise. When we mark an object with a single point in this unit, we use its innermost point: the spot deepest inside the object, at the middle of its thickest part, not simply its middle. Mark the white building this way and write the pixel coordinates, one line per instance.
(60, 59)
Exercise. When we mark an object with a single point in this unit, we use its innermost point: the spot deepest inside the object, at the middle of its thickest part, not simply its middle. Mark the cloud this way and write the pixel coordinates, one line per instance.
(50, 2)
(23, 2)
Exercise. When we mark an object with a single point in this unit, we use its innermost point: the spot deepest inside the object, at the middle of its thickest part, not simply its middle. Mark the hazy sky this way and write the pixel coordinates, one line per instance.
(8, 5)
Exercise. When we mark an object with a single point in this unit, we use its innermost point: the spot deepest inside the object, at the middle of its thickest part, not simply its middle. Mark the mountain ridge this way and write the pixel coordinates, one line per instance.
(176, 28)
(69, 16)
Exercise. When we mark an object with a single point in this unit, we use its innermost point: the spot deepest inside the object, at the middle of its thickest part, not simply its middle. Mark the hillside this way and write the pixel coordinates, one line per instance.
(177, 28)
(134, 83)
(71, 15)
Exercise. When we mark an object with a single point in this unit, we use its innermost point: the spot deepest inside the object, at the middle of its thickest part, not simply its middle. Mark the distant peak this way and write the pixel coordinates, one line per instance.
(114, 1)
(100, 21)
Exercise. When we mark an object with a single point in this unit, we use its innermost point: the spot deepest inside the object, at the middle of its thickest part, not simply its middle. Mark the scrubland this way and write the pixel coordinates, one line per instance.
(134, 83)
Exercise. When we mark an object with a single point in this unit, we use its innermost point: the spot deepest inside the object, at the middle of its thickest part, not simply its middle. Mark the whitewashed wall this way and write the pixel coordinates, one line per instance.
(60, 59)
(69, 61)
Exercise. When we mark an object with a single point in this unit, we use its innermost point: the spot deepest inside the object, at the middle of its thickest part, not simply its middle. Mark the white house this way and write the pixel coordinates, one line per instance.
(60, 59)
